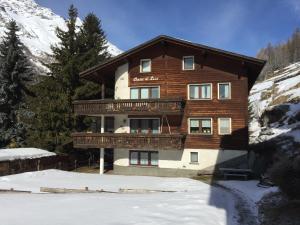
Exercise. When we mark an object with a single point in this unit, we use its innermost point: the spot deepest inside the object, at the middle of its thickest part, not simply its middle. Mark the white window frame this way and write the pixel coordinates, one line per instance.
(147, 118)
(229, 91)
(211, 91)
(191, 162)
(141, 68)
(200, 118)
(230, 126)
(150, 86)
(189, 56)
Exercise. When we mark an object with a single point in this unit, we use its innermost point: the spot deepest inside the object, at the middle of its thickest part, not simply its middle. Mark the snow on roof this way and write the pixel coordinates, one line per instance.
(10, 154)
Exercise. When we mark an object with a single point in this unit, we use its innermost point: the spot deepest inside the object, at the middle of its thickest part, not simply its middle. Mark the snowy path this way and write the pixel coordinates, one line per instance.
(246, 216)
(194, 203)
(248, 195)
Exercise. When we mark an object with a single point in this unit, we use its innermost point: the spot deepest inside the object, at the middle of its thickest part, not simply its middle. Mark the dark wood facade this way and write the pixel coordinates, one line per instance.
(211, 66)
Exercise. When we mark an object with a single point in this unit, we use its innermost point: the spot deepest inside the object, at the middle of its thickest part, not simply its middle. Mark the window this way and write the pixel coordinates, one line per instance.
(145, 66)
(134, 93)
(154, 92)
(144, 93)
(224, 126)
(144, 126)
(134, 158)
(188, 63)
(194, 157)
(154, 158)
(200, 91)
(143, 158)
(134, 126)
(200, 126)
(224, 90)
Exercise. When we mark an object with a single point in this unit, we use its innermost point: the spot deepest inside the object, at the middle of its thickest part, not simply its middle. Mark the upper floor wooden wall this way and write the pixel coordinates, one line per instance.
(166, 69)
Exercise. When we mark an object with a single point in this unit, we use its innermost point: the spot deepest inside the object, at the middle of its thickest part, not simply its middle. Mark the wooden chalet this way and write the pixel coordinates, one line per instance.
(170, 107)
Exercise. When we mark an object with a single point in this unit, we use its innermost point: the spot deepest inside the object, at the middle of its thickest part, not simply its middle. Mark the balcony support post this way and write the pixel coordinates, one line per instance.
(101, 166)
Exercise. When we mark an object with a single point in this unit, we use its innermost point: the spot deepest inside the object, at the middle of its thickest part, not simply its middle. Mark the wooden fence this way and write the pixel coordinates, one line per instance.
(27, 165)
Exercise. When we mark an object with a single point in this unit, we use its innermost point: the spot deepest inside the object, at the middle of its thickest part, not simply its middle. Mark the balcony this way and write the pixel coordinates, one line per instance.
(129, 106)
(129, 141)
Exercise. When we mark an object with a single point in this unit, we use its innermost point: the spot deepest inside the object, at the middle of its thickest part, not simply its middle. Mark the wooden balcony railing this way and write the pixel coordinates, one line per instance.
(129, 106)
(129, 141)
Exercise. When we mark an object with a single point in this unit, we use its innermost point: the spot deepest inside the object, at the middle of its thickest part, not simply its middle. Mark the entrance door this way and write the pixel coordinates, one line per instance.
(109, 124)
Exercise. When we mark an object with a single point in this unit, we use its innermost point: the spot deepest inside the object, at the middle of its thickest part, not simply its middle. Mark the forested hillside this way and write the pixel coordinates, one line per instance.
(280, 55)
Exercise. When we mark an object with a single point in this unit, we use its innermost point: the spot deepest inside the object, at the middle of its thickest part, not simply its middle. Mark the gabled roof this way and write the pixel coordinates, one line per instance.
(119, 58)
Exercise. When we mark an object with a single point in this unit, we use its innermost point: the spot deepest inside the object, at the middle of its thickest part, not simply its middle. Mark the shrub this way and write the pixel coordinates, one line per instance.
(286, 174)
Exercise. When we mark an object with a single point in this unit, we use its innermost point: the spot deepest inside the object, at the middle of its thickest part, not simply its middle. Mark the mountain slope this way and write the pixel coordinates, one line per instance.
(274, 106)
(37, 26)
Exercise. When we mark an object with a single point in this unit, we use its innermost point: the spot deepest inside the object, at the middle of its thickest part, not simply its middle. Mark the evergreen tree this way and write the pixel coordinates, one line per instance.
(280, 55)
(15, 74)
(93, 50)
(79, 48)
(65, 68)
(93, 42)
(48, 126)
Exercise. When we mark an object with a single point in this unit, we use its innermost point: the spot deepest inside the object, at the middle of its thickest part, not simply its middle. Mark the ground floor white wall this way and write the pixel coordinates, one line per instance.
(175, 159)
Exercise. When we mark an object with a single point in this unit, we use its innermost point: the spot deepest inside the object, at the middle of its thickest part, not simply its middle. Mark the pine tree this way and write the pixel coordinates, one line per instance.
(66, 61)
(93, 42)
(48, 126)
(80, 47)
(93, 50)
(15, 74)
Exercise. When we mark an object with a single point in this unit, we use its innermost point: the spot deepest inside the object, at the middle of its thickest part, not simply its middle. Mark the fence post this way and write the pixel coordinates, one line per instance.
(89, 162)
(75, 164)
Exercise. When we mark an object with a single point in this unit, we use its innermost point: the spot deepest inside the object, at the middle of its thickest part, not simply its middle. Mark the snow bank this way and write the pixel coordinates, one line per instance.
(23, 153)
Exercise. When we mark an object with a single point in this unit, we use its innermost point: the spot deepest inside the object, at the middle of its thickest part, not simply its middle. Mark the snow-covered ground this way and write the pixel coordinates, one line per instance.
(193, 203)
(249, 191)
(23, 153)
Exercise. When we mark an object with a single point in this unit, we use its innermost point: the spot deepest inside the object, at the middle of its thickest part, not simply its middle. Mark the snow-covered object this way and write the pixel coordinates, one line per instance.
(283, 89)
(10, 154)
(37, 27)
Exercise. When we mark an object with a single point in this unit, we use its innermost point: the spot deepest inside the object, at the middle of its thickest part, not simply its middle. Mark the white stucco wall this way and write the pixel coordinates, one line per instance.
(174, 159)
(122, 91)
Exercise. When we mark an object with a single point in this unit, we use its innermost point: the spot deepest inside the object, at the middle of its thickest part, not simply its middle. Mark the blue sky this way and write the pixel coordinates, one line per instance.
(242, 26)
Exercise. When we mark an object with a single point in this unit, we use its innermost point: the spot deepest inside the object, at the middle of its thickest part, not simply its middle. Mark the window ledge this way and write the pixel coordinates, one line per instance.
(194, 163)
